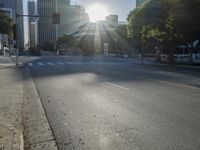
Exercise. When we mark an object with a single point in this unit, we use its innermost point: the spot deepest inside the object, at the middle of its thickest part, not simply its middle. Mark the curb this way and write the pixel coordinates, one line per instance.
(11, 135)
(37, 132)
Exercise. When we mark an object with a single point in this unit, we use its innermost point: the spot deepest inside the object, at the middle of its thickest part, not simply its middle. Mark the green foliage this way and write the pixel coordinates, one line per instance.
(65, 39)
(48, 46)
(168, 22)
(6, 24)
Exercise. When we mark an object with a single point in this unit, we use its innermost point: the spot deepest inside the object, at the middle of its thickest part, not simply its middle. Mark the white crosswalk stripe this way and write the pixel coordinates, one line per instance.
(30, 64)
(60, 63)
(70, 63)
(40, 64)
(50, 63)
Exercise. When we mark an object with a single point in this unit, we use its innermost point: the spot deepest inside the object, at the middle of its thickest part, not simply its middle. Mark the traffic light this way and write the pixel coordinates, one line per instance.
(56, 18)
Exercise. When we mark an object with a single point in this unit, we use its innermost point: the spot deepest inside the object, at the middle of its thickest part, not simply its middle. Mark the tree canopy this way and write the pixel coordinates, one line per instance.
(6, 24)
(168, 22)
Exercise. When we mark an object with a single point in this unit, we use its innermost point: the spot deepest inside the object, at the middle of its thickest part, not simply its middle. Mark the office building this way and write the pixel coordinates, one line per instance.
(33, 23)
(78, 18)
(47, 31)
(63, 10)
(112, 20)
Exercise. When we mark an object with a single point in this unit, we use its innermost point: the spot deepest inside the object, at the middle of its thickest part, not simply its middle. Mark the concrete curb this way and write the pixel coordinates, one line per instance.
(37, 132)
(11, 94)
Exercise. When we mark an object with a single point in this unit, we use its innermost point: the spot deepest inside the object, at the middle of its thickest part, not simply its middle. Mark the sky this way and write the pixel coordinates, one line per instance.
(116, 7)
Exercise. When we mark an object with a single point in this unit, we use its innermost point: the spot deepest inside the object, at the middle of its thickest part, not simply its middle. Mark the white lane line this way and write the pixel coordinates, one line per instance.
(127, 89)
(49, 63)
(40, 64)
(30, 64)
(60, 63)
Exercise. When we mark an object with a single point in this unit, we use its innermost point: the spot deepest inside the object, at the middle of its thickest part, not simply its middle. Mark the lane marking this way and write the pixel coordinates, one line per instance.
(164, 82)
(69, 63)
(127, 89)
(30, 64)
(49, 63)
(60, 63)
(40, 64)
(166, 73)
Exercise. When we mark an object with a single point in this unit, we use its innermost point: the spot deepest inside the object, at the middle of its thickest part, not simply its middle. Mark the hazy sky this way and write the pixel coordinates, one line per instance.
(118, 7)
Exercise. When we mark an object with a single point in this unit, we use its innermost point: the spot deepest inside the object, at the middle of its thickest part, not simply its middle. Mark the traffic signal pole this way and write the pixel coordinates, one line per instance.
(17, 40)
(56, 20)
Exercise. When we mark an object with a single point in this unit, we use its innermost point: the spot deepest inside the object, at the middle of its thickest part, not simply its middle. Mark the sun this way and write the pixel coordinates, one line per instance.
(97, 12)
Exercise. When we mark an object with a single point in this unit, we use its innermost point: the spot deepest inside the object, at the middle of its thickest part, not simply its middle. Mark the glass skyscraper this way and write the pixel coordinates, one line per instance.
(47, 31)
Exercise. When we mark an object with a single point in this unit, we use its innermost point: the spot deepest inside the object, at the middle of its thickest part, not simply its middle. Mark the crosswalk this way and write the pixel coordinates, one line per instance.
(43, 64)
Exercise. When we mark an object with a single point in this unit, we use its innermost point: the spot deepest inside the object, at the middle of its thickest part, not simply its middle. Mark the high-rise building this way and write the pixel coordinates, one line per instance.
(9, 6)
(33, 23)
(63, 10)
(47, 31)
(78, 18)
(139, 3)
(112, 20)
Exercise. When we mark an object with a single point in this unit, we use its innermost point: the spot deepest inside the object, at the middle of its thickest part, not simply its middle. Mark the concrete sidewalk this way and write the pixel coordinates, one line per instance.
(11, 93)
(6, 61)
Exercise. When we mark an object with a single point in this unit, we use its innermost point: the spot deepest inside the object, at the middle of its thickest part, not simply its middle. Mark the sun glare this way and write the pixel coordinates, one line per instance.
(97, 12)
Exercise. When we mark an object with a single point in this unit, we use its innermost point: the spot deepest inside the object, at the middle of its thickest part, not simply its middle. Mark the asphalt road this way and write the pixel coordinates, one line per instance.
(117, 105)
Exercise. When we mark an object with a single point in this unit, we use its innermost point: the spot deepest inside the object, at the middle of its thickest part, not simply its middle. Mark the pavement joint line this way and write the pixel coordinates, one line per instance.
(127, 89)
(43, 141)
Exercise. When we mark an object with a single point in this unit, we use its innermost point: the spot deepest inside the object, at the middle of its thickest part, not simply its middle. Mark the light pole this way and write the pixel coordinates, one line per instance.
(17, 39)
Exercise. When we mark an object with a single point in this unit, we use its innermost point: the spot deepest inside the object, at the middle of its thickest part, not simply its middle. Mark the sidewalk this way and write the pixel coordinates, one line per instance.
(6, 61)
(11, 93)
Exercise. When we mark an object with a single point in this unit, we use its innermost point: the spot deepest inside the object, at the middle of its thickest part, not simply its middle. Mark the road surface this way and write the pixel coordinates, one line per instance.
(117, 105)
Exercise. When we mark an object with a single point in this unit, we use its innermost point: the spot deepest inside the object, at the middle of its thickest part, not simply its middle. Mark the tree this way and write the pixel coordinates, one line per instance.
(6, 24)
(168, 22)
(87, 44)
(65, 39)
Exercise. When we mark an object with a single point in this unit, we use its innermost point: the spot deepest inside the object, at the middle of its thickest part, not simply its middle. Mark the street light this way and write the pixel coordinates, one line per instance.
(17, 42)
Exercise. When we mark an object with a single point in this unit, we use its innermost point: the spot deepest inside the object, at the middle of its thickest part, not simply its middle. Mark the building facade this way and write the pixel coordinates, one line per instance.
(47, 31)
(33, 23)
(112, 20)
(63, 10)
(77, 18)
(139, 3)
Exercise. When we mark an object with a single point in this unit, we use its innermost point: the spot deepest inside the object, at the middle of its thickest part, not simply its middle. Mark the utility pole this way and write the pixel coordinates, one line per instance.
(142, 52)
(17, 37)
